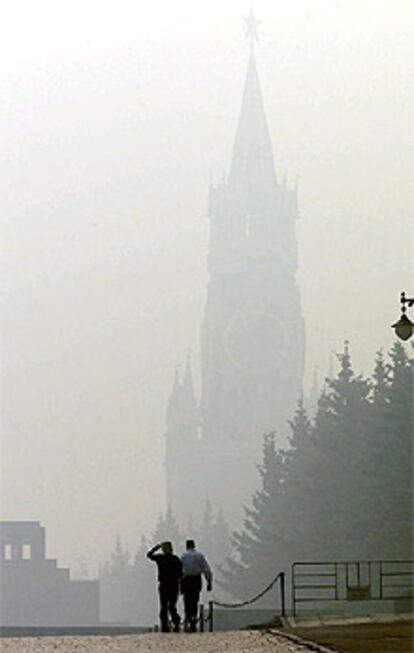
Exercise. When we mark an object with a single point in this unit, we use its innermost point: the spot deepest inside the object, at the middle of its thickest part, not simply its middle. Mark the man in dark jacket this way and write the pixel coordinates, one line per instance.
(169, 583)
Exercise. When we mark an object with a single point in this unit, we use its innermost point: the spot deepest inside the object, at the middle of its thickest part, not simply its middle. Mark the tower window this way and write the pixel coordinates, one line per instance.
(7, 552)
(26, 551)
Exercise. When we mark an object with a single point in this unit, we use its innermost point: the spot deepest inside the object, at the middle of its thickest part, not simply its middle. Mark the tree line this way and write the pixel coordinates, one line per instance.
(343, 489)
(128, 583)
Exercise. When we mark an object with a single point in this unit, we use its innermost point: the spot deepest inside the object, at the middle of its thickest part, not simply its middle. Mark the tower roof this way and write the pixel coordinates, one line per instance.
(252, 164)
(182, 411)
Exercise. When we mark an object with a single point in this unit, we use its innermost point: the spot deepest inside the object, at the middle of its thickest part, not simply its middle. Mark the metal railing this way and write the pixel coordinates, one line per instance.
(209, 618)
(370, 580)
(322, 582)
(204, 618)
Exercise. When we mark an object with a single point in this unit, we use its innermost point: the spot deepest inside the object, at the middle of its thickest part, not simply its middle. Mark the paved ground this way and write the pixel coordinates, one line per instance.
(230, 642)
(350, 636)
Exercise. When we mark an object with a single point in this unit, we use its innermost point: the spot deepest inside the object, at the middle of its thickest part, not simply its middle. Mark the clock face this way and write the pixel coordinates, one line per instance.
(256, 340)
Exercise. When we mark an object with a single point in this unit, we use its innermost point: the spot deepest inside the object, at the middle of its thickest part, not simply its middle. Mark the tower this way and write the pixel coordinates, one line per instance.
(252, 336)
(183, 454)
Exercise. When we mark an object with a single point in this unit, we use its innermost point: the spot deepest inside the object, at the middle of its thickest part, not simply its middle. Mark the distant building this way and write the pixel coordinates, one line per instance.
(252, 337)
(33, 590)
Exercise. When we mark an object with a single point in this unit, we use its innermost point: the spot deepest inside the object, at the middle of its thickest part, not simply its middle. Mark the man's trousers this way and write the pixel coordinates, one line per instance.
(191, 590)
(168, 605)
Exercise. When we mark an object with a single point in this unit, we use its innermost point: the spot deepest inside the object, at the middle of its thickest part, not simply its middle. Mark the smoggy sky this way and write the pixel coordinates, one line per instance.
(115, 118)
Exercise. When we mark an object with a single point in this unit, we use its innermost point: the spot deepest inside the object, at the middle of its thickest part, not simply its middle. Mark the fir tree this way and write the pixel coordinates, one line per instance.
(344, 489)
(300, 433)
(370, 483)
(167, 529)
(297, 480)
(260, 545)
(381, 381)
(140, 555)
(204, 536)
(391, 462)
(213, 537)
(221, 540)
(335, 466)
(119, 561)
(322, 510)
(117, 586)
(145, 579)
(190, 528)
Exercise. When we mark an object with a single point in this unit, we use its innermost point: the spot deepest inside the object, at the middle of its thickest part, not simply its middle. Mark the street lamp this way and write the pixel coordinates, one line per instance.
(404, 328)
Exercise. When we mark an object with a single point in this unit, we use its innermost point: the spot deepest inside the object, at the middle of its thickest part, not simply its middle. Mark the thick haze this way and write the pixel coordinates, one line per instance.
(115, 116)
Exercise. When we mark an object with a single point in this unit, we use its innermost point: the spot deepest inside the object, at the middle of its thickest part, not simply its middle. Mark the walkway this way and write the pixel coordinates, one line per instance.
(230, 642)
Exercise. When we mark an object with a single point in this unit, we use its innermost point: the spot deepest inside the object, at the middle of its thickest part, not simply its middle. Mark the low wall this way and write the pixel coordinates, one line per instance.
(56, 631)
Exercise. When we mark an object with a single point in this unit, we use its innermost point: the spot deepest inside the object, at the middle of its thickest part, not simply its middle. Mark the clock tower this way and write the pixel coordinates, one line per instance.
(252, 336)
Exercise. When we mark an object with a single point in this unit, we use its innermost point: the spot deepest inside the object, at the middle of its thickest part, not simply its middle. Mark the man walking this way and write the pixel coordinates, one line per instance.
(194, 565)
(169, 583)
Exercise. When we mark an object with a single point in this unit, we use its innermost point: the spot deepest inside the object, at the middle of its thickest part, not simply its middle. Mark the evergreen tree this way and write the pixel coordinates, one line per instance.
(391, 461)
(381, 381)
(296, 508)
(117, 586)
(190, 528)
(261, 544)
(145, 579)
(120, 558)
(370, 482)
(221, 541)
(300, 427)
(204, 538)
(329, 471)
(213, 538)
(141, 553)
(167, 529)
(344, 489)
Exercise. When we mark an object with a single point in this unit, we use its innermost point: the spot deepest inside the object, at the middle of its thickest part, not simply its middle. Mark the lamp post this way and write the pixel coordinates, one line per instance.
(404, 328)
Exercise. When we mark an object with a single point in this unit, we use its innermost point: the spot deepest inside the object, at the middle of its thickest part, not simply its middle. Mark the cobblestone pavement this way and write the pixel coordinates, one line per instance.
(230, 642)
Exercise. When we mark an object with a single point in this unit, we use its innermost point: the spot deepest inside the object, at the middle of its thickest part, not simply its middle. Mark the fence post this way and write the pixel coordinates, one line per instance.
(293, 590)
(201, 618)
(211, 620)
(282, 593)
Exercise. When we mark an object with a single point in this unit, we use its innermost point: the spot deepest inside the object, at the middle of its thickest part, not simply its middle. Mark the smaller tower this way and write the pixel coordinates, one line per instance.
(183, 455)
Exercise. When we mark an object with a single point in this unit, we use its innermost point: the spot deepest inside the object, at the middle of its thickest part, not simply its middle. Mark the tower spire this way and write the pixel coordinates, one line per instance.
(252, 162)
(250, 27)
